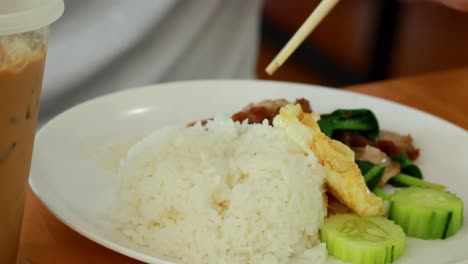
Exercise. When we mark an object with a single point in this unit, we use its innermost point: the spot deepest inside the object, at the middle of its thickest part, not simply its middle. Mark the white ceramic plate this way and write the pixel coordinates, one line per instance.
(77, 153)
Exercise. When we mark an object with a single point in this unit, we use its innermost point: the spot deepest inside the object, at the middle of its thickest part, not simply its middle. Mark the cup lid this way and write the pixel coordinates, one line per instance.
(17, 16)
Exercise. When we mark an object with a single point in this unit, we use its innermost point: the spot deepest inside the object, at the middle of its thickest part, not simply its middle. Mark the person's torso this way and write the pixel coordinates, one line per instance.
(100, 47)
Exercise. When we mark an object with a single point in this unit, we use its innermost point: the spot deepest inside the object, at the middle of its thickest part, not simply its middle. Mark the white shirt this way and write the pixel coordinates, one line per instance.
(103, 46)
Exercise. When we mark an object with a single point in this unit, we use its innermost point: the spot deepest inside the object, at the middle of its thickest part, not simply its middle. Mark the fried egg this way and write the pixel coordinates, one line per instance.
(344, 179)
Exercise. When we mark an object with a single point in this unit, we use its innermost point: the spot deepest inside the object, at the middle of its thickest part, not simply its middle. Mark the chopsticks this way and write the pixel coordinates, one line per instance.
(311, 22)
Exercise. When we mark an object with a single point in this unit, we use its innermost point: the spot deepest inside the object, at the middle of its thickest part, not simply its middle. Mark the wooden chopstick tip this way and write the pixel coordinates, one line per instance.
(272, 67)
(322, 10)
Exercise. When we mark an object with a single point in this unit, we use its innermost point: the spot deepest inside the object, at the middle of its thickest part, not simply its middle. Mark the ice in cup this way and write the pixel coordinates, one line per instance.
(24, 26)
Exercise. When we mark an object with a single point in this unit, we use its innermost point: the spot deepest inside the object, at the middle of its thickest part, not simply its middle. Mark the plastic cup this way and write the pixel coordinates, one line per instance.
(24, 26)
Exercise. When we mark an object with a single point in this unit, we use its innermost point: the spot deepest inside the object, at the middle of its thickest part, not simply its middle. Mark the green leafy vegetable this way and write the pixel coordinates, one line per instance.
(373, 176)
(372, 173)
(381, 193)
(407, 166)
(364, 165)
(361, 120)
(404, 180)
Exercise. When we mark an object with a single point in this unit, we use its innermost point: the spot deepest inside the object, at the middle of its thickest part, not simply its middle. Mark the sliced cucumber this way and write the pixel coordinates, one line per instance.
(403, 180)
(426, 213)
(366, 240)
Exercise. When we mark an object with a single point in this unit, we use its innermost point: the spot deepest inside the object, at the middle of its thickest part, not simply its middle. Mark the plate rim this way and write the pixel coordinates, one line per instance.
(240, 81)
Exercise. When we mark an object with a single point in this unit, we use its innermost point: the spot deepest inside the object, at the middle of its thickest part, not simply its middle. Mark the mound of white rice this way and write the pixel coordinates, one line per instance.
(224, 193)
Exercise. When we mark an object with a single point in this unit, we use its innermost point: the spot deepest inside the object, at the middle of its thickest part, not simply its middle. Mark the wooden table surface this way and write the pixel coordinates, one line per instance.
(46, 240)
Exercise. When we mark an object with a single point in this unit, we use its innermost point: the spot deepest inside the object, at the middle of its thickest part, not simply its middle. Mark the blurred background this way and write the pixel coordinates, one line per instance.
(364, 40)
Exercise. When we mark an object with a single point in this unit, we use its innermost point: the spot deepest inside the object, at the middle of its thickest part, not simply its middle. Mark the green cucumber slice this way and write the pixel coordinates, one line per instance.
(366, 240)
(426, 213)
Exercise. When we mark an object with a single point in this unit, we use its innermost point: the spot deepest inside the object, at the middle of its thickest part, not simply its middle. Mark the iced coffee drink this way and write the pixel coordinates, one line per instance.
(21, 71)
(24, 27)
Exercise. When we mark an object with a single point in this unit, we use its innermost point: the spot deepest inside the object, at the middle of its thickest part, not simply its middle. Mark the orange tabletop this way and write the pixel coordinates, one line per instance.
(46, 240)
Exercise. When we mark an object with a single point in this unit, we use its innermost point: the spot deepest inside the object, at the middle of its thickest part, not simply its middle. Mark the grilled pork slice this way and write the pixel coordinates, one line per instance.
(267, 109)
